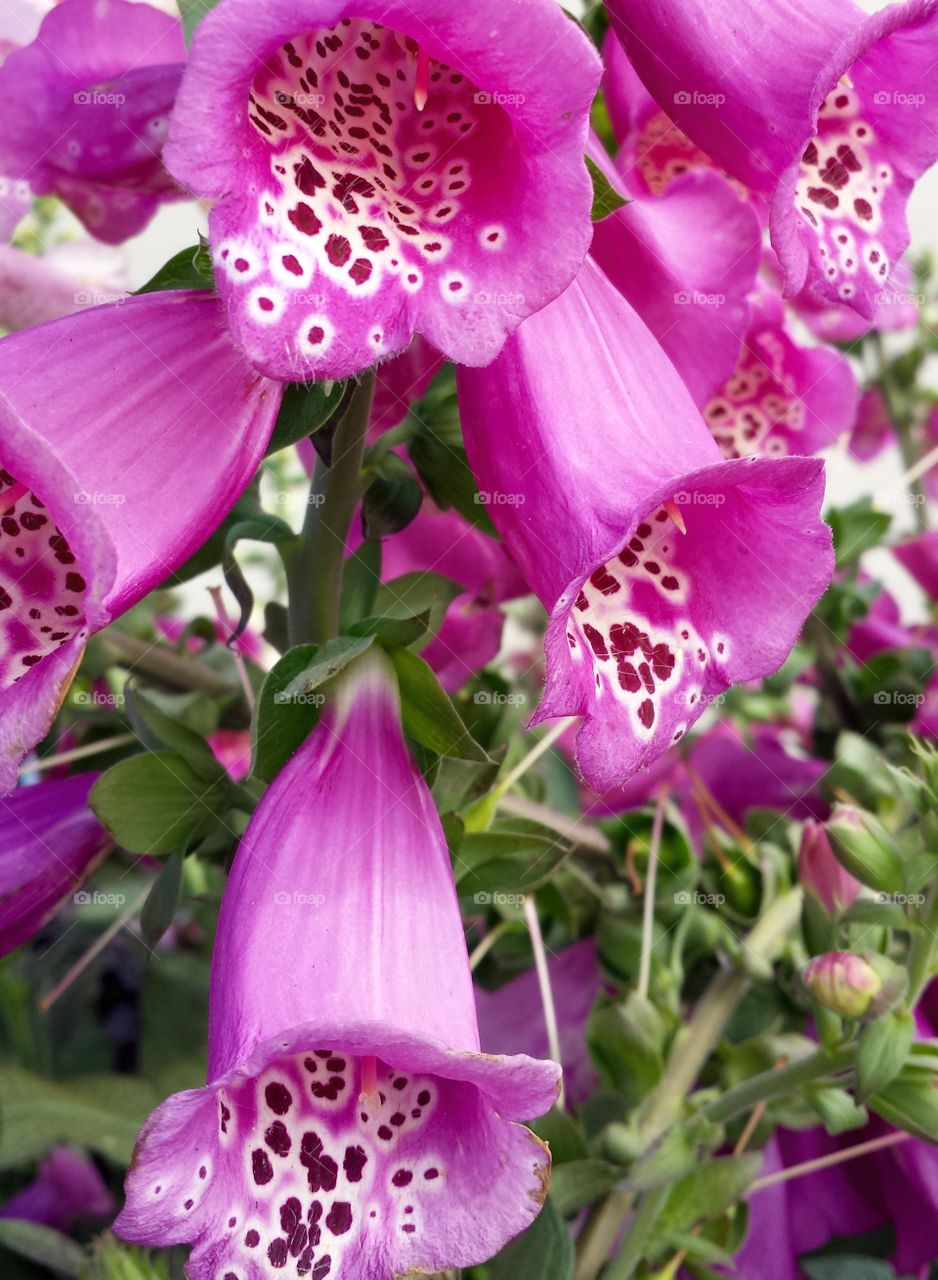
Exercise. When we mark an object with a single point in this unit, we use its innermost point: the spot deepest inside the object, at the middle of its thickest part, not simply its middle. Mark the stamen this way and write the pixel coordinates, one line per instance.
(422, 82)
(12, 496)
(676, 514)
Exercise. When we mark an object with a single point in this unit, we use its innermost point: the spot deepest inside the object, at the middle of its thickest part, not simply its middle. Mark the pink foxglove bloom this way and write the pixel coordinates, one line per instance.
(350, 1128)
(67, 1189)
(50, 842)
(85, 110)
(919, 557)
(69, 278)
(100, 414)
(386, 169)
(669, 572)
(827, 113)
(782, 398)
(401, 381)
(821, 873)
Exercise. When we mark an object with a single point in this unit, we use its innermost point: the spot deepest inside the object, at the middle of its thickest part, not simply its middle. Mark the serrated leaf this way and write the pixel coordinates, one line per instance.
(428, 714)
(42, 1245)
(606, 200)
(544, 1252)
(188, 269)
(162, 901)
(156, 803)
(304, 408)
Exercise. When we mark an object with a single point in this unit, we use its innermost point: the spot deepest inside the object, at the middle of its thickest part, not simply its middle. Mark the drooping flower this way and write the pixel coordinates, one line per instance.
(669, 572)
(99, 413)
(782, 398)
(838, 143)
(67, 1189)
(821, 873)
(386, 169)
(85, 107)
(350, 1127)
(50, 843)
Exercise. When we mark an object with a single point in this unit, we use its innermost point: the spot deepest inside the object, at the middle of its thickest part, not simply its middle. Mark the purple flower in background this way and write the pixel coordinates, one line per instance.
(838, 142)
(669, 572)
(99, 415)
(50, 843)
(67, 1189)
(386, 169)
(350, 1127)
(821, 873)
(85, 109)
(919, 557)
(782, 398)
(66, 279)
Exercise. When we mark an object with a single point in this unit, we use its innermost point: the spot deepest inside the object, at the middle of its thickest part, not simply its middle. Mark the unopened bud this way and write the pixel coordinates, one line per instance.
(864, 846)
(821, 873)
(855, 986)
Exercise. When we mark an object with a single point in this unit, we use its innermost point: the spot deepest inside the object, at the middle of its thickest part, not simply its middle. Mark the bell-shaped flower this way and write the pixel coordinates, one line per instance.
(66, 1190)
(101, 416)
(50, 843)
(350, 1127)
(669, 572)
(385, 169)
(781, 398)
(827, 113)
(85, 108)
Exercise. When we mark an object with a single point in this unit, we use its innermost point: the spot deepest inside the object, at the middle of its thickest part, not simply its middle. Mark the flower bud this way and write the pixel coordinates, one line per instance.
(863, 845)
(855, 986)
(821, 873)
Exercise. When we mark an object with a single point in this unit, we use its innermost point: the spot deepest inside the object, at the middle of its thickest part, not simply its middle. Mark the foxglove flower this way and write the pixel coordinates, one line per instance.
(85, 109)
(67, 279)
(67, 1189)
(50, 843)
(100, 414)
(838, 142)
(669, 572)
(782, 398)
(821, 873)
(385, 169)
(350, 1127)
(919, 557)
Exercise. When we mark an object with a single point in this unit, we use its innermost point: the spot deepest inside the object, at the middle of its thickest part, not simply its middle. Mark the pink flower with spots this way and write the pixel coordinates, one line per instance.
(825, 112)
(351, 1127)
(385, 169)
(669, 572)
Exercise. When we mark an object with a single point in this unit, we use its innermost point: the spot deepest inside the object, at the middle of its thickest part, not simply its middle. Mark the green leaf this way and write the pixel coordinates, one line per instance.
(606, 199)
(113, 1261)
(361, 579)
(708, 1191)
(328, 660)
(193, 11)
(562, 1134)
(162, 901)
(393, 633)
(837, 1109)
(579, 1182)
(514, 859)
(427, 711)
(884, 1047)
(544, 1252)
(282, 723)
(304, 408)
(257, 528)
(414, 593)
(846, 1266)
(189, 269)
(910, 1102)
(856, 529)
(103, 1113)
(626, 1042)
(392, 500)
(41, 1244)
(155, 728)
(155, 803)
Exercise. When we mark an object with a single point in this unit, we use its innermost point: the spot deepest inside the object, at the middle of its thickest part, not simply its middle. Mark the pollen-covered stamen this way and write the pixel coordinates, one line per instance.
(846, 195)
(370, 179)
(632, 622)
(41, 587)
(759, 405)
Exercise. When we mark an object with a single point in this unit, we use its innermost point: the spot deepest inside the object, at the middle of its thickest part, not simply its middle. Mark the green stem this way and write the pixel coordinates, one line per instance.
(924, 950)
(315, 562)
(162, 664)
(639, 1233)
(778, 1081)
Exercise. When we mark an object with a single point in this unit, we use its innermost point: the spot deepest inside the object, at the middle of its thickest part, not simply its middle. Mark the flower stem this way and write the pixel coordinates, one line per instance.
(543, 982)
(479, 817)
(77, 753)
(648, 901)
(160, 663)
(314, 565)
(779, 1080)
(825, 1162)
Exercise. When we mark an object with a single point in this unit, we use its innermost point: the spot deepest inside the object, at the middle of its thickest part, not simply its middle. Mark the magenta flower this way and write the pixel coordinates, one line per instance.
(386, 169)
(669, 573)
(350, 1127)
(838, 143)
(67, 1189)
(50, 843)
(85, 108)
(782, 398)
(70, 277)
(919, 557)
(821, 873)
(98, 504)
